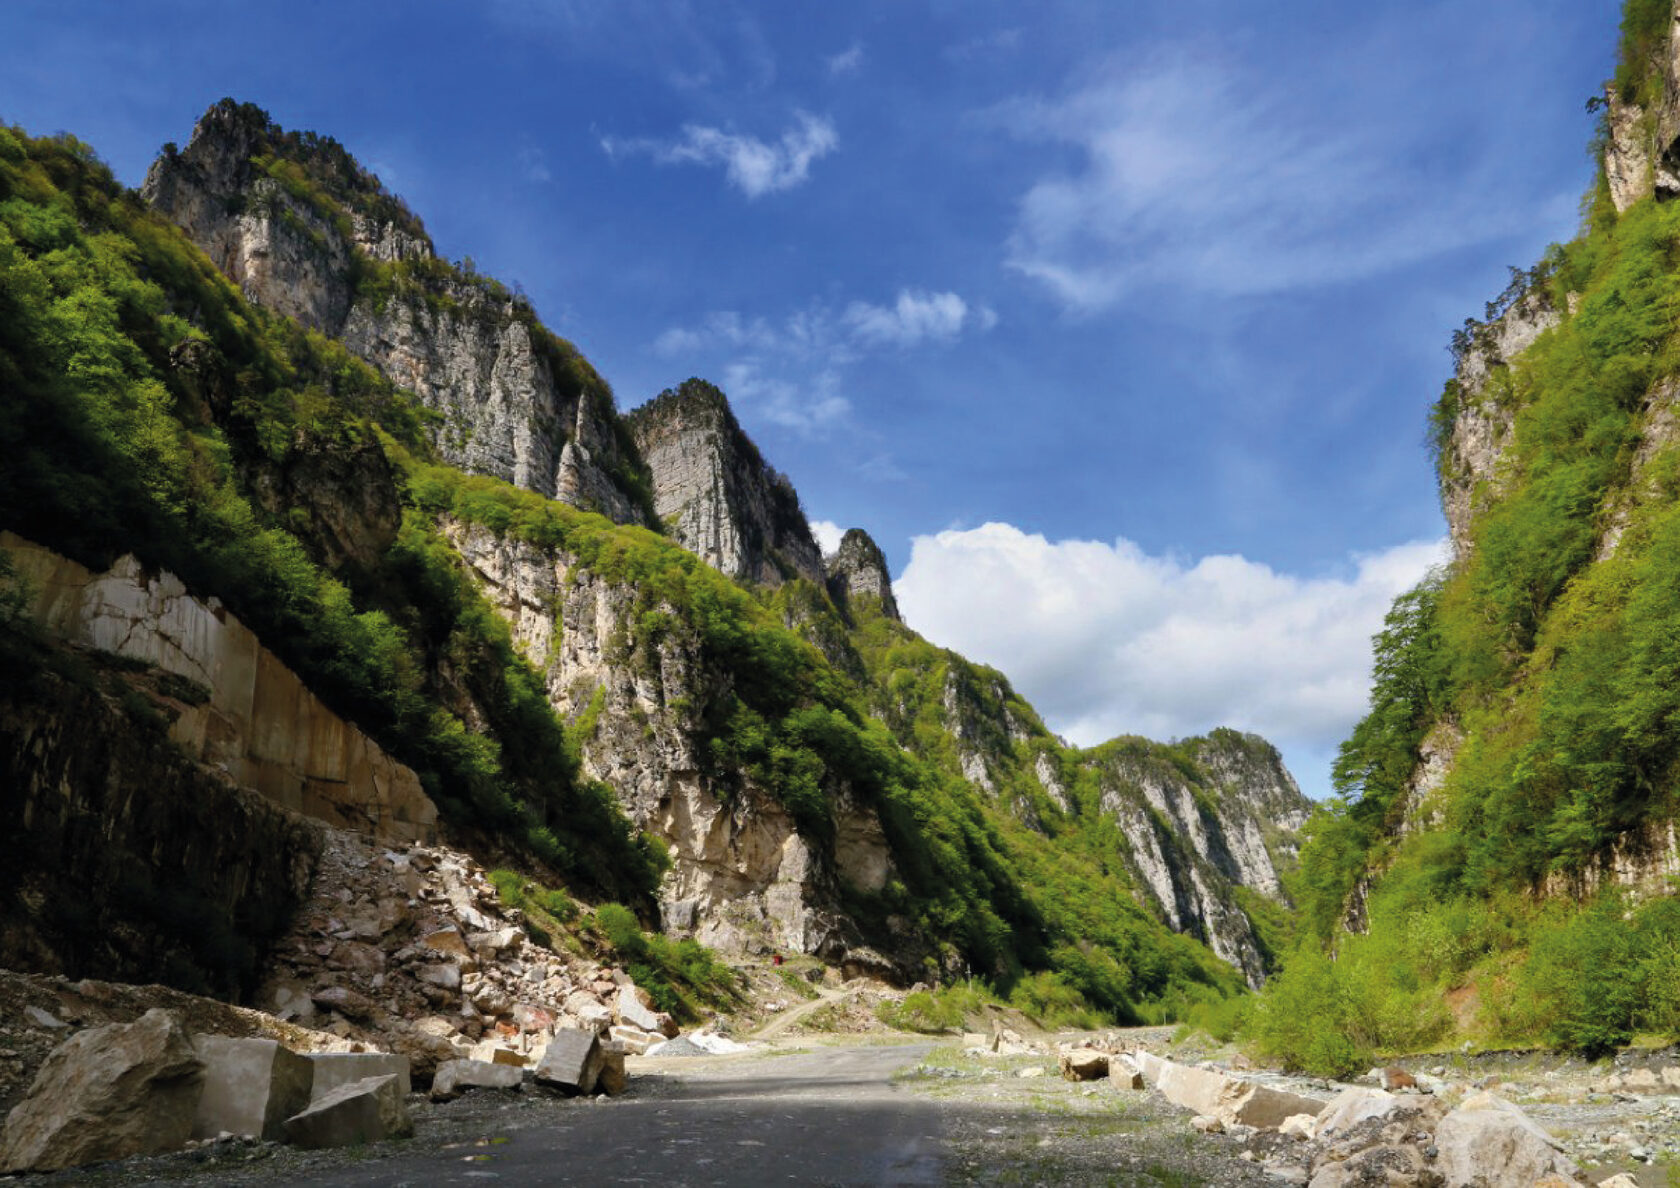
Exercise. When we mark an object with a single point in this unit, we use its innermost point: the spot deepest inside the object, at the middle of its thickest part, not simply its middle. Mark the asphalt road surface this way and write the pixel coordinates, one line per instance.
(832, 1116)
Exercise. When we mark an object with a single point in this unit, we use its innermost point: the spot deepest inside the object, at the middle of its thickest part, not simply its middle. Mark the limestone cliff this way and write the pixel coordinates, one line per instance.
(303, 229)
(715, 493)
(858, 569)
(251, 718)
(742, 874)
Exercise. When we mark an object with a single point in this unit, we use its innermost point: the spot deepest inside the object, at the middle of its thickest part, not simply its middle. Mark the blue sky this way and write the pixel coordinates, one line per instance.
(1116, 324)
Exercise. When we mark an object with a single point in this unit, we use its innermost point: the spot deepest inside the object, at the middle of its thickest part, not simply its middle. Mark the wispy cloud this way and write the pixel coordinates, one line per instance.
(533, 163)
(792, 370)
(755, 167)
(916, 316)
(847, 62)
(1196, 174)
(1105, 639)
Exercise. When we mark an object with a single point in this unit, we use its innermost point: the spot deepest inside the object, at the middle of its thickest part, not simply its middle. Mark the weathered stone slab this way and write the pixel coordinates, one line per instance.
(455, 1077)
(1082, 1064)
(613, 1079)
(634, 1039)
(107, 1093)
(572, 1062)
(335, 1069)
(251, 1086)
(1352, 1106)
(1490, 1143)
(365, 1111)
(1232, 1100)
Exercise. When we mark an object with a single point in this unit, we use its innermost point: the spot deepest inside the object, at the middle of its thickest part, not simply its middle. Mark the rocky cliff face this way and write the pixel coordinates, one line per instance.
(245, 713)
(716, 495)
(742, 875)
(1642, 149)
(305, 231)
(858, 570)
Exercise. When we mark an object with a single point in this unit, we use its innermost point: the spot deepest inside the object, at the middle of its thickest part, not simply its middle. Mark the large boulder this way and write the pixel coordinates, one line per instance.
(1490, 1143)
(455, 1077)
(572, 1062)
(1234, 1101)
(251, 1086)
(1082, 1064)
(1353, 1106)
(366, 1111)
(334, 1069)
(107, 1093)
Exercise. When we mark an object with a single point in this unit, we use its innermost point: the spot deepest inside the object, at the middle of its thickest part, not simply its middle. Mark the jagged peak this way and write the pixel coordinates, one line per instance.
(859, 567)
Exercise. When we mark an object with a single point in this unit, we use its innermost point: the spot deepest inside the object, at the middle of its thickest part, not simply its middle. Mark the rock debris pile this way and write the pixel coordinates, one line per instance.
(412, 950)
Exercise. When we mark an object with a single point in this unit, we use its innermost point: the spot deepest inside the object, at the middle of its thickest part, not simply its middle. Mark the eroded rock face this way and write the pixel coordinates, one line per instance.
(1642, 154)
(1191, 842)
(858, 569)
(107, 1093)
(716, 495)
(742, 876)
(515, 402)
(258, 722)
(1482, 427)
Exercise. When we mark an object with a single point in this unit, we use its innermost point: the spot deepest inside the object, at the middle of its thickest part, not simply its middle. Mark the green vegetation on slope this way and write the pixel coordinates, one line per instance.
(1548, 661)
(142, 397)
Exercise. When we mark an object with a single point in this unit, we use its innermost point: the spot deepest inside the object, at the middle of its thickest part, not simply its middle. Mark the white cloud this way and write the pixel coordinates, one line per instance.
(847, 62)
(1104, 639)
(1198, 175)
(828, 535)
(914, 317)
(792, 371)
(753, 166)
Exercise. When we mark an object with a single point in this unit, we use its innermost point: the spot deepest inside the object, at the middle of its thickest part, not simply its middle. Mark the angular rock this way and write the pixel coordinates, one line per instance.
(572, 1061)
(455, 1077)
(346, 1002)
(366, 1111)
(634, 1040)
(336, 1069)
(1082, 1064)
(633, 1011)
(613, 1079)
(1388, 1163)
(251, 1086)
(107, 1093)
(1230, 1099)
(447, 940)
(1351, 1107)
(1298, 1126)
(442, 974)
(1490, 1143)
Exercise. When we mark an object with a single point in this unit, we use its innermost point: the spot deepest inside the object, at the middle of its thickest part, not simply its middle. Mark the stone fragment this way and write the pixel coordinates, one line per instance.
(442, 974)
(572, 1061)
(356, 957)
(489, 945)
(1298, 1126)
(366, 1111)
(1490, 1143)
(455, 1077)
(336, 1069)
(492, 1051)
(613, 1079)
(635, 1041)
(447, 940)
(1230, 1099)
(1388, 1163)
(107, 1093)
(1206, 1125)
(1619, 1180)
(633, 1011)
(251, 1086)
(345, 1001)
(44, 1019)
(1082, 1064)
(532, 1018)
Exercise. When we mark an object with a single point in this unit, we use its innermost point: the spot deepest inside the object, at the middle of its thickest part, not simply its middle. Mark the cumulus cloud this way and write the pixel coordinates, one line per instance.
(828, 535)
(753, 166)
(1105, 639)
(915, 316)
(807, 405)
(1197, 174)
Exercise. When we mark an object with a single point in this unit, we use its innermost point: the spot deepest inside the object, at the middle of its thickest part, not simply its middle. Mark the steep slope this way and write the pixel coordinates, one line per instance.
(714, 492)
(1522, 752)
(304, 230)
(760, 765)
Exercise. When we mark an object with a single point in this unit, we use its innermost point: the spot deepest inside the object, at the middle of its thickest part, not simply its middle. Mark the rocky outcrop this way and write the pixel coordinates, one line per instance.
(857, 571)
(246, 713)
(742, 875)
(1642, 149)
(715, 494)
(304, 230)
(1485, 409)
(1227, 818)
